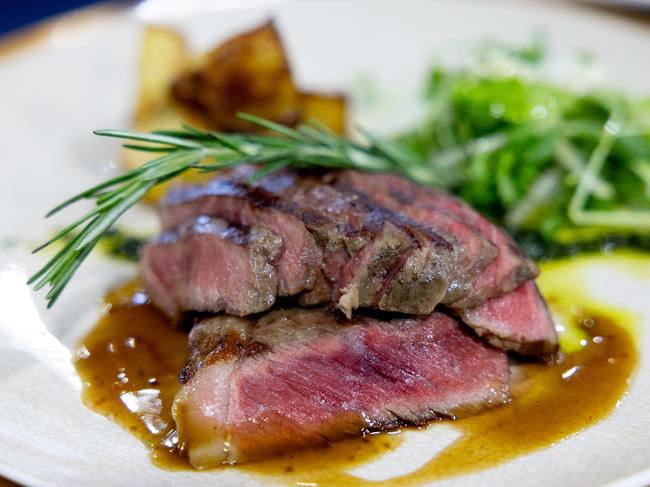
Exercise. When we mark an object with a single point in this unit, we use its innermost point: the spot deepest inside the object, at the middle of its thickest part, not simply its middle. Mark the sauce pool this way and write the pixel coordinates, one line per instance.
(129, 364)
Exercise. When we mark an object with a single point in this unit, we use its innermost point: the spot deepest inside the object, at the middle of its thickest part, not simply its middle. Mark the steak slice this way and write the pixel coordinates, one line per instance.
(300, 378)
(393, 263)
(477, 253)
(207, 264)
(503, 274)
(300, 258)
(517, 321)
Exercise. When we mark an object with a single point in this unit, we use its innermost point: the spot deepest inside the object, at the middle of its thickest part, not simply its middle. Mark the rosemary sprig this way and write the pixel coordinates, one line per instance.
(190, 148)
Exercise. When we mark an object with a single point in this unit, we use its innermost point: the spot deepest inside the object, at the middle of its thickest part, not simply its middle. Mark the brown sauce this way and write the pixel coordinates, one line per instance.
(129, 364)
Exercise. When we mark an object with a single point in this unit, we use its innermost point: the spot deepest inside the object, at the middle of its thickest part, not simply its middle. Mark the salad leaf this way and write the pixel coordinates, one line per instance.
(562, 168)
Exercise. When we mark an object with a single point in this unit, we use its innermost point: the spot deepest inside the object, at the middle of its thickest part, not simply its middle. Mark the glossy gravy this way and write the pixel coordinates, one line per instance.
(129, 364)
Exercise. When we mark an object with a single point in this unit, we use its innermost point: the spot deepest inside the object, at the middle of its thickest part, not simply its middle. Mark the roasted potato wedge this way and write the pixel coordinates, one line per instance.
(248, 73)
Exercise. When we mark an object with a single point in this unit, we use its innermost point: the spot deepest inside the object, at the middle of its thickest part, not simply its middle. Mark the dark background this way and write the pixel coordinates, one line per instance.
(15, 13)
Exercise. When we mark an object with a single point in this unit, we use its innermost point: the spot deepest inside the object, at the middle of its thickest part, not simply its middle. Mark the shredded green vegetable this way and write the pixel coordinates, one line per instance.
(565, 169)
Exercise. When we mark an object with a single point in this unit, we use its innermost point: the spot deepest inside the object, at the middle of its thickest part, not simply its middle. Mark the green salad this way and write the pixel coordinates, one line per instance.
(562, 169)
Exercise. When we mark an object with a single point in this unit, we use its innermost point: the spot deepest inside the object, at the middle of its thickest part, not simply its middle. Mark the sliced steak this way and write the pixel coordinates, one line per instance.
(477, 251)
(207, 264)
(299, 262)
(504, 273)
(394, 264)
(300, 378)
(517, 321)
(371, 257)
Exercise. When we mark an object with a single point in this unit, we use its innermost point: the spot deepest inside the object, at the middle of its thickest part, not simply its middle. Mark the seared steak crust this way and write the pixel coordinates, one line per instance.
(475, 250)
(495, 293)
(386, 251)
(489, 277)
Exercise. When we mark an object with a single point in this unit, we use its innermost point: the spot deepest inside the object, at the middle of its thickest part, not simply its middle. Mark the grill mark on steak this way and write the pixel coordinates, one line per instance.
(210, 226)
(475, 251)
(387, 250)
(209, 265)
(504, 273)
(360, 282)
(317, 378)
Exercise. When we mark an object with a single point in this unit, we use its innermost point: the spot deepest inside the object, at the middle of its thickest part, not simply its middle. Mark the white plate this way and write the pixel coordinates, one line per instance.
(79, 74)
